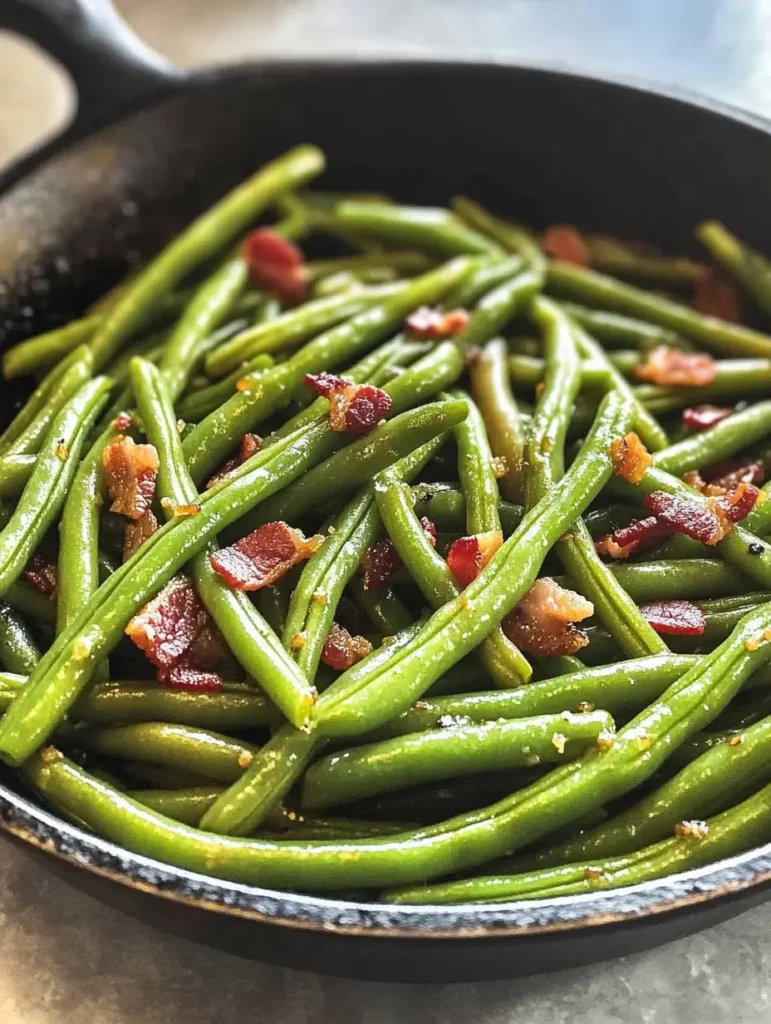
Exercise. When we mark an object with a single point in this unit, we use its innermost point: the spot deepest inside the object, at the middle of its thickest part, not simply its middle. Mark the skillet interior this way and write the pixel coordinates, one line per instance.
(538, 145)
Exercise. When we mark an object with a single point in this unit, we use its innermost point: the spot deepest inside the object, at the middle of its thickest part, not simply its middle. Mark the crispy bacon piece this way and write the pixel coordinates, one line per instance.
(564, 242)
(167, 626)
(630, 458)
(714, 296)
(382, 560)
(341, 650)
(468, 556)
(702, 417)
(187, 676)
(276, 265)
(673, 368)
(707, 523)
(678, 618)
(433, 324)
(622, 542)
(137, 532)
(123, 421)
(41, 573)
(543, 621)
(353, 408)
(725, 476)
(130, 471)
(250, 445)
(264, 556)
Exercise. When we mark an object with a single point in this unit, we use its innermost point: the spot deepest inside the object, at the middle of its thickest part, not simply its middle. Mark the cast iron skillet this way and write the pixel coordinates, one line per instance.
(149, 148)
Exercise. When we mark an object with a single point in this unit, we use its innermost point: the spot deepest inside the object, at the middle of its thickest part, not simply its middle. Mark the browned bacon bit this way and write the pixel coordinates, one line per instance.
(673, 368)
(137, 532)
(733, 506)
(167, 626)
(680, 618)
(469, 555)
(123, 421)
(353, 408)
(563, 242)
(714, 296)
(433, 324)
(379, 564)
(622, 542)
(729, 473)
(429, 529)
(130, 471)
(264, 556)
(543, 621)
(692, 829)
(186, 676)
(684, 516)
(250, 445)
(702, 417)
(630, 458)
(276, 265)
(41, 573)
(341, 650)
(208, 648)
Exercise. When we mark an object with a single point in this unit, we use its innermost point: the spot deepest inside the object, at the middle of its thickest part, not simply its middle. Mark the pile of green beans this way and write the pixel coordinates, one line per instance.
(459, 766)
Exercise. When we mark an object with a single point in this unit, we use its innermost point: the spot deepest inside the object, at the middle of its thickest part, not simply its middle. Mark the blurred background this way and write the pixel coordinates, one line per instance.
(720, 47)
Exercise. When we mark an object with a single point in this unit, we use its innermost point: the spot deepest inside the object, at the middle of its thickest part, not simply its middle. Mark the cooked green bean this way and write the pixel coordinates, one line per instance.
(446, 508)
(726, 438)
(18, 651)
(742, 262)
(617, 330)
(200, 403)
(485, 278)
(496, 308)
(490, 388)
(511, 237)
(421, 226)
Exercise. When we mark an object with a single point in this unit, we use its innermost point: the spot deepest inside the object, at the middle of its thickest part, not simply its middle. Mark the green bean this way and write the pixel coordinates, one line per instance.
(407, 262)
(383, 607)
(18, 651)
(727, 437)
(292, 328)
(616, 330)
(496, 308)
(212, 302)
(184, 747)
(78, 371)
(185, 805)
(651, 433)
(200, 403)
(375, 768)
(446, 508)
(490, 387)
(424, 227)
(618, 688)
(734, 379)
(613, 257)
(741, 261)
(31, 602)
(211, 441)
(731, 832)
(198, 242)
(511, 237)
(46, 490)
(550, 665)
(488, 275)
(598, 290)
(249, 637)
(663, 579)
(15, 471)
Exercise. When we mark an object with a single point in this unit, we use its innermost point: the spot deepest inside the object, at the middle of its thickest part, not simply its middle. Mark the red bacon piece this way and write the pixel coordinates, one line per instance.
(130, 471)
(341, 650)
(707, 523)
(543, 621)
(137, 532)
(382, 560)
(468, 556)
(186, 676)
(433, 324)
(41, 573)
(564, 242)
(123, 421)
(250, 445)
(678, 618)
(264, 556)
(167, 626)
(702, 417)
(714, 296)
(624, 541)
(276, 265)
(727, 474)
(630, 458)
(673, 368)
(353, 408)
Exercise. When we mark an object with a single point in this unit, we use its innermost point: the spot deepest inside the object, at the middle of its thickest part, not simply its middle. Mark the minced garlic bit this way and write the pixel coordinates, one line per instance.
(245, 758)
(644, 742)
(62, 451)
(320, 598)
(50, 754)
(249, 384)
(606, 739)
(692, 829)
(181, 426)
(558, 741)
(735, 741)
(584, 707)
(167, 502)
(500, 467)
(297, 642)
(593, 874)
(81, 649)
(186, 510)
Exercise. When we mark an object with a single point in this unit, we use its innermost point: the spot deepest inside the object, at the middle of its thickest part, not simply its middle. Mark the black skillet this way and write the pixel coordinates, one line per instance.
(149, 148)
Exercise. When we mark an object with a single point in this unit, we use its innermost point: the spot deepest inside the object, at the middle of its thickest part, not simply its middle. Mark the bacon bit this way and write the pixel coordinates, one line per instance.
(276, 265)
(714, 296)
(353, 408)
(584, 707)
(130, 473)
(703, 417)
(167, 626)
(469, 555)
(592, 874)
(630, 458)
(137, 532)
(692, 829)
(379, 564)
(41, 573)
(564, 242)
(264, 556)
(250, 445)
(684, 516)
(427, 322)
(184, 676)
(728, 474)
(208, 648)
(341, 650)
(678, 618)
(735, 505)
(622, 542)
(673, 368)
(429, 529)
(543, 621)
(123, 421)
(298, 641)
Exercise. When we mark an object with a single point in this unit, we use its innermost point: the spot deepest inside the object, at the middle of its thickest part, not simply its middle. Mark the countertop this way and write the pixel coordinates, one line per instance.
(65, 959)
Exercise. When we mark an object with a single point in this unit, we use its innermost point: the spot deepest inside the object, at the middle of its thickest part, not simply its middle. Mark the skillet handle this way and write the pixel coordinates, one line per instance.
(111, 68)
